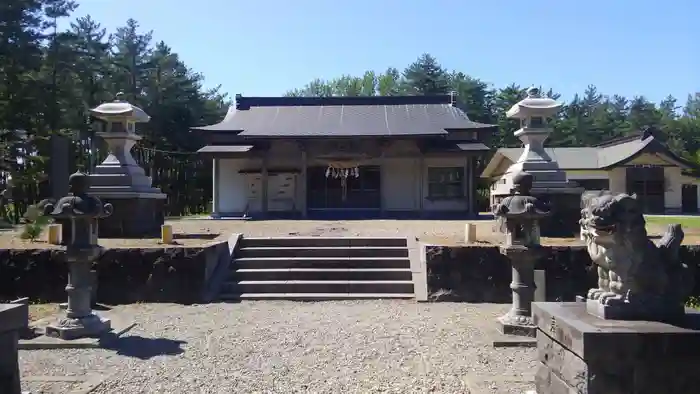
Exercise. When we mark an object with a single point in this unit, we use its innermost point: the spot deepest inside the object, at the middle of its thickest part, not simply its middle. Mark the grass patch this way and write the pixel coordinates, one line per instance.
(40, 311)
(685, 221)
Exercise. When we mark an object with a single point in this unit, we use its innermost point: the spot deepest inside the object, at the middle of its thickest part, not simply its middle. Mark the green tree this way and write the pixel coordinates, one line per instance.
(473, 96)
(425, 77)
(389, 83)
(503, 100)
(589, 118)
(53, 77)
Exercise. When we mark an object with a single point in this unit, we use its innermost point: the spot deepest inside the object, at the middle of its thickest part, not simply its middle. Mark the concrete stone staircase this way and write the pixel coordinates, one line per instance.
(319, 268)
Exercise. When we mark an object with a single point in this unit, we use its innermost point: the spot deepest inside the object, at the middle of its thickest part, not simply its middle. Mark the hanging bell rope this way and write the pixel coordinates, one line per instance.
(343, 170)
(340, 169)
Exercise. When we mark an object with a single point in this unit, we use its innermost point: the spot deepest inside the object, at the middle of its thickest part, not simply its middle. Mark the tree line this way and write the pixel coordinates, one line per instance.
(52, 77)
(589, 118)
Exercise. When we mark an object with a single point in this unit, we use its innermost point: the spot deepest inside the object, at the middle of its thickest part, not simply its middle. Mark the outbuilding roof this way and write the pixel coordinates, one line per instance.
(599, 157)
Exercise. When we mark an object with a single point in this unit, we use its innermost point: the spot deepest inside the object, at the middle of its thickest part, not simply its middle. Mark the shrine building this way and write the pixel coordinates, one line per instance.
(345, 158)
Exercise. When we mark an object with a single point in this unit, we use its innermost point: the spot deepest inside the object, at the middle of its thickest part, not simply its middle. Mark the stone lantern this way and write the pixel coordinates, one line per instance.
(80, 212)
(518, 218)
(119, 179)
(549, 181)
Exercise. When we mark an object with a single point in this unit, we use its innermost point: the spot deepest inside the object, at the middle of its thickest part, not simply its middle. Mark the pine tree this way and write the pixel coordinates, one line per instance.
(426, 77)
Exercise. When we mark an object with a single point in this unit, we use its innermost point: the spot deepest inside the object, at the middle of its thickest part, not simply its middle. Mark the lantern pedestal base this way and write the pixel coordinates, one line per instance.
(518, 320)
(74, 328)
(517, 325)
(566, 212)
(138, 216)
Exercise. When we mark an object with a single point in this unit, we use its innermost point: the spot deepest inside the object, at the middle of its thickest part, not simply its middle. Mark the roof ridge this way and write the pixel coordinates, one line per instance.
(243, 103)
(644, 134)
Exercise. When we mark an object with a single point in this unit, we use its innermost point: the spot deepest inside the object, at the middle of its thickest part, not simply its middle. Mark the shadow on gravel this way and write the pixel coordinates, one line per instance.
(144, 348)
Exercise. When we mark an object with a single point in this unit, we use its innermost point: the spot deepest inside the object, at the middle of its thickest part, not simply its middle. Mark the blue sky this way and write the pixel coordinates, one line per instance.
(263, 48)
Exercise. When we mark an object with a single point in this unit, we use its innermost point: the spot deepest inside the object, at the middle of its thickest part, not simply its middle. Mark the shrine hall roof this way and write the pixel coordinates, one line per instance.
(366, 116)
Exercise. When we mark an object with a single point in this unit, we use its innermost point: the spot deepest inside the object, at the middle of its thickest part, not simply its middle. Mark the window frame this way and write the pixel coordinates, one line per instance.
(445, 186)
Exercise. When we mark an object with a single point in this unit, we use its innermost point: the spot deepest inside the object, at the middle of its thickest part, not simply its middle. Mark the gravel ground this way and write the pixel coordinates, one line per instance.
(50, 387)
(440, 232)
(382, 346)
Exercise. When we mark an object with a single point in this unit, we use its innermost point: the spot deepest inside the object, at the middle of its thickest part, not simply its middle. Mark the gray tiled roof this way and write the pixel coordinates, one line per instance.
(568, 158)
(596, 157)
(613, 154)
(344, 117)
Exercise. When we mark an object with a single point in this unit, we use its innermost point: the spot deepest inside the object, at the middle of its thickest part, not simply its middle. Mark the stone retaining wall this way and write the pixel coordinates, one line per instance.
(125, 275)
(482, 274)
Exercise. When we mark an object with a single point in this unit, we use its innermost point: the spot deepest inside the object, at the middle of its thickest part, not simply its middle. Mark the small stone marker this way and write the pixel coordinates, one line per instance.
(469, 233)
(166, 234)
(54, 234)
(540, 286)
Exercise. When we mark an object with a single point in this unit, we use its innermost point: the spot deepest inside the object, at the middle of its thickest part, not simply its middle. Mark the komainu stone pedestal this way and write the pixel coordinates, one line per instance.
(13, 318)
(639, 311)
(581, 353)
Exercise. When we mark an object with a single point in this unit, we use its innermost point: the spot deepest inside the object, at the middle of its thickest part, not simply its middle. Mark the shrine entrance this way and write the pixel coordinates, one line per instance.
(689, 199)
(648, 183)
(344, 188)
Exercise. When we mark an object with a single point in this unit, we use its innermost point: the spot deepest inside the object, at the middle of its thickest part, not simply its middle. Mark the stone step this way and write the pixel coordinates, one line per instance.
(314, 296)
(267, 242)
(321, 274)
(318, 286)
(305, 251)
(320, 262)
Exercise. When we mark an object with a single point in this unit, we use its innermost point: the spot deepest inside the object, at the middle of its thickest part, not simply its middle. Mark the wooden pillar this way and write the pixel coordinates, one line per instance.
(303, 183)
(382, 168)
(264, 185)
(421, 181)
(475, 181)
(466, 183)
(216, 163)
(470, 184)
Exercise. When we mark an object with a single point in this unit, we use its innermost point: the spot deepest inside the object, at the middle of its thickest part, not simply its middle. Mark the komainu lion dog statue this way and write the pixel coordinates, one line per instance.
(637, 279)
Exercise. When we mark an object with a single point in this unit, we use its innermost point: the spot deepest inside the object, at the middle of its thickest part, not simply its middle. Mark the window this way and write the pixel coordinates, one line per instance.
(536, 122)
(445, 182)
